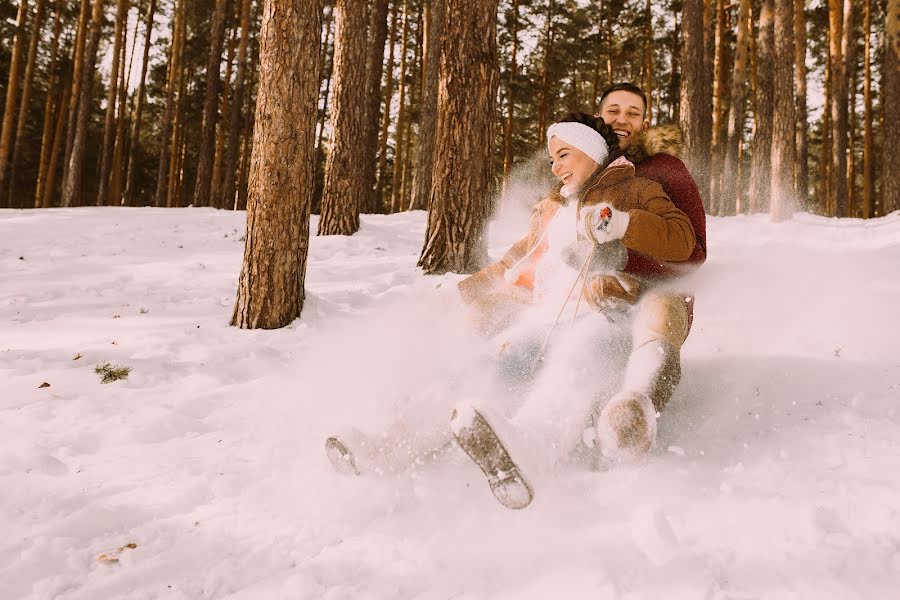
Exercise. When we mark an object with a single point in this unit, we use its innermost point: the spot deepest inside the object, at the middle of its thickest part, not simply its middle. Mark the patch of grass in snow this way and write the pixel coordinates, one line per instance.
(111, 372)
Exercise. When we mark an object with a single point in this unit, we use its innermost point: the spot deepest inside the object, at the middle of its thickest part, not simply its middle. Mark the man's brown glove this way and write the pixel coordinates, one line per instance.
(611, 292)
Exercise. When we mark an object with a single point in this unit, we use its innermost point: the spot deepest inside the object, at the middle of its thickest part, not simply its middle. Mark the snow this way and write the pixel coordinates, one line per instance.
(774, 475)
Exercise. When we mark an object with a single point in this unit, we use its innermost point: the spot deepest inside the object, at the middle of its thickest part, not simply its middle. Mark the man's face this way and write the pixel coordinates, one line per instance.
(624, 111)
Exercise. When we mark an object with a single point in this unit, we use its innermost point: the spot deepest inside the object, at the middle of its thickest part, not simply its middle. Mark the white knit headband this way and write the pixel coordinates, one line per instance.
(587, 139)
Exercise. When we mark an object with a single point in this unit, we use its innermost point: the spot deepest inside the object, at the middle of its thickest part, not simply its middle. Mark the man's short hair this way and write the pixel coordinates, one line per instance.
(625, 86)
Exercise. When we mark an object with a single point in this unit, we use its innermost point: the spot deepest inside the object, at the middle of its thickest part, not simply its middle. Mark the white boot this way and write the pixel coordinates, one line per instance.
(626, 428)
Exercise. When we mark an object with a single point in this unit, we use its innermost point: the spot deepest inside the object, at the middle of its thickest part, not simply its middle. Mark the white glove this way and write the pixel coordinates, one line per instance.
(603, 223)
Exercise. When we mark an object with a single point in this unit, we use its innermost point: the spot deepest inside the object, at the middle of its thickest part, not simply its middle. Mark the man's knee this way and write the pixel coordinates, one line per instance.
(663, 316)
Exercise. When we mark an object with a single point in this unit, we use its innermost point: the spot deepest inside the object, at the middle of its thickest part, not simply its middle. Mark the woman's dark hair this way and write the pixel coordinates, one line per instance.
(600, 126)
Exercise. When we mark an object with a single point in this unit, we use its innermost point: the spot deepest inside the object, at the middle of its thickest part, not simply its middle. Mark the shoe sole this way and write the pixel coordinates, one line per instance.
(340, 457)
(479, 440)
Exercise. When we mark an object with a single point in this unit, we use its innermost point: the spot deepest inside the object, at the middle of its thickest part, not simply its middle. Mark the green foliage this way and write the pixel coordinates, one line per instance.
(109, 372)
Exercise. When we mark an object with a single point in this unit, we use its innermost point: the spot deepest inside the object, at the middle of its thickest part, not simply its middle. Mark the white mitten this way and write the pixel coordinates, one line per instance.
(603, 223)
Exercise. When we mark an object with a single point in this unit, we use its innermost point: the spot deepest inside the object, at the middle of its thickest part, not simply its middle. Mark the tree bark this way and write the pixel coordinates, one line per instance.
(53, 101)
(838, 109)
(731, 181)
(868, 157)
(848, 47)
(377, 37)
(421, 192)
(215, 190)
(719, 111)
(81, 36)
(401, 115)
(16, 198)
(210, 108)
(511, 98)
(172, 69)
(73, 193)
(131, 169)
(108, 125)
(121, 136)
(545, 70)
(232, 150)
(695, 106)
(782, 203)
(55, 150)
(12, 91)
(386, 115)
(344, 186)
(464, 144)
(801, 128)
(890, 177)
(760, 161)
(270, 290)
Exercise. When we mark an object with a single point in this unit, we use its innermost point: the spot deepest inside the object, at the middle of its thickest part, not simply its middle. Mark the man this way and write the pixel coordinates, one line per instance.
(662, 317)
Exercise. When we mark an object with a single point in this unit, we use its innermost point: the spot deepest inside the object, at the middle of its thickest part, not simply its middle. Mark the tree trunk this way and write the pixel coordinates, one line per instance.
(825, 166)
(12, 90)
(545, 70)
(73, 193)
(130, 192)
(760, 160)
(719, 111)
(731, 185)
(427, 121)
(848, 47)
(234, 127)
(890, 176)
(108, 126)
(647, 63)
(695, 106)
(54, 97)
(344, 186)
(324, 116)
(16, 198)
(121, 137)
(838, 108)
(782, 186)
(464, 144)
(377, 36)
(215, 191)
(210, 108)
(675, 78)
(386, 115)
(172, 68)
(270, 290)
(801, 128)
(55, 150)
(401, 115)
(868, 174)
(81, 36)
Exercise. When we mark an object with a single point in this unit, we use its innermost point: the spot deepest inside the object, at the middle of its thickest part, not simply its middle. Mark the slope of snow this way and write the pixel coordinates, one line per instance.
(774, 476)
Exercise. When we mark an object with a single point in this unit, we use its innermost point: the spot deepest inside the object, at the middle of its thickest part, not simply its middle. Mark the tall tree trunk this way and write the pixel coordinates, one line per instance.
(731, 185)
(215, 191)
(108, 126)
(401, 115)
(454, 239)
(716, 202)
(81, 35)
(12, 90)
(415, 94)
(648, 59)
(761, 161)
(428, 120)
(344, 186)
(56, 148)
(232, 149)
(324, 116)
(825, 158)
(16, 198)
(386, 115)
(210, 108)
(378, 30)
(73, 193)
(131, 170)
(801, 127)
(511, 98)
(890, 177)
(675, 70)
(115, 177)
(838, 108)
(695, 113)
(545, 70)
(782, 204)
(270, 290)
(52, 102)
(848, 47)
(161, 198)
(868, 174)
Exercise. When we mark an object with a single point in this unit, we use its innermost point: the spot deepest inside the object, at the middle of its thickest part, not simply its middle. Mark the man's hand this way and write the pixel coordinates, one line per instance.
(603, 223)
(611, 292)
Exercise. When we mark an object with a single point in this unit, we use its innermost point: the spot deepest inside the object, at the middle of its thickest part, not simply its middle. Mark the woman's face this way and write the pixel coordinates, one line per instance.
(569, 164)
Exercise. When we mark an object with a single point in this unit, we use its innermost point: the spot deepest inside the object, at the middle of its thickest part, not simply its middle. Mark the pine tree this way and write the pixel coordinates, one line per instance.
(210, 108)
(890, 178)
(782, 186)
(760, 162)
(801, 115)
(454, 239)
(270, 290)
(425, 144)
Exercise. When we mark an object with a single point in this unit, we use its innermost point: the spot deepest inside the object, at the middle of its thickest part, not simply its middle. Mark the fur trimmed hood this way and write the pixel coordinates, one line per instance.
(662, 139)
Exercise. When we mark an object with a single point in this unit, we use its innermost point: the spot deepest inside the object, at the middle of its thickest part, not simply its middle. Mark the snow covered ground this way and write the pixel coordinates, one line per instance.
(775, 475)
